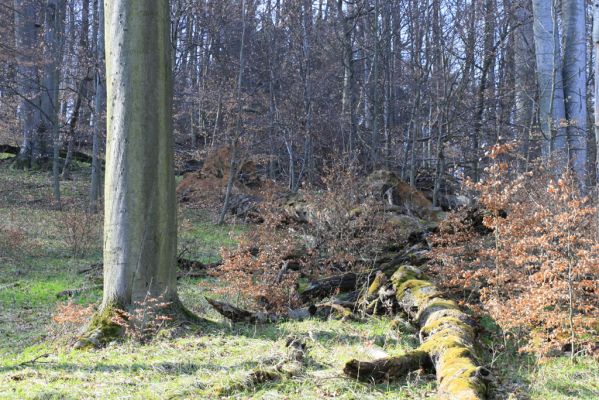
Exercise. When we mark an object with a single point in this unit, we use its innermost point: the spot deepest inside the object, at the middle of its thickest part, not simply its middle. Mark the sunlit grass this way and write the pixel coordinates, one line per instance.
(195, 362)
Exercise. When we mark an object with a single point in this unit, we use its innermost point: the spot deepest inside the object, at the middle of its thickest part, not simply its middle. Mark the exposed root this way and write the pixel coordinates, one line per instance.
(106, 326)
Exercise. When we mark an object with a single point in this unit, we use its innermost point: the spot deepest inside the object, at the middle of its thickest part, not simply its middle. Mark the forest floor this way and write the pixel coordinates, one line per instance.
(42, 251)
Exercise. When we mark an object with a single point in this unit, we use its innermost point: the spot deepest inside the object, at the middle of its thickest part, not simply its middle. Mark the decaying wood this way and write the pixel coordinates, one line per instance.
(90, 268)
(191, 265)
(189, 268)
(323, 310)
(447, 341)
(6, 148)
(328, 286)
(386, 368)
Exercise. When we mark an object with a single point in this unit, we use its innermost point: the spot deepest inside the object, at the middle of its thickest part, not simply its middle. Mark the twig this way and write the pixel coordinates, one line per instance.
(33, 360)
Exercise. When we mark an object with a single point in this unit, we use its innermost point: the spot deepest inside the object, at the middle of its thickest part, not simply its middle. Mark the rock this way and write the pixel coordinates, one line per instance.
(397, 193)
(406, 226)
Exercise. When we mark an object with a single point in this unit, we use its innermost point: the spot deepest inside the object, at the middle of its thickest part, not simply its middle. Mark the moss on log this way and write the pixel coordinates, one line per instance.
(447, 337)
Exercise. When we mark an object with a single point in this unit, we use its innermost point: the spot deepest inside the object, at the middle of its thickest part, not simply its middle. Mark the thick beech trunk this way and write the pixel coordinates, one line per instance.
(447, 339)
(140, 233)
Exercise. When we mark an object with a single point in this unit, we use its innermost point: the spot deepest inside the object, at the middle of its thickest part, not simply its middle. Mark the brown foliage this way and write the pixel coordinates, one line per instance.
(537, 272)
(145, 319)
(347, 230)
(80, 232)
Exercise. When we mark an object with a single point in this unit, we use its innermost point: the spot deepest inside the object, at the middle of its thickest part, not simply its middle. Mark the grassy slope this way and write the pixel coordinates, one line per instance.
(193, 362)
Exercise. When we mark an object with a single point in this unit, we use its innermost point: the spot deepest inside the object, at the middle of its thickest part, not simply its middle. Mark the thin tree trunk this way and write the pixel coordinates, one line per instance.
(596, 89)
(235, 142)
(524, 65)
(26, 41)
(552, 111)
(98, 102)
(54, 22)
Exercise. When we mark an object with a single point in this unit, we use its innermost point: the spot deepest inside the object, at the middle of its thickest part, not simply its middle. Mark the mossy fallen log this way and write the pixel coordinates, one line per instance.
(447, 341)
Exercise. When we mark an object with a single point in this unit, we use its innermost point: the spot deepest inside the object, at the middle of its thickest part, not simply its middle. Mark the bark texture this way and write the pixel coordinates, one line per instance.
(140, 235)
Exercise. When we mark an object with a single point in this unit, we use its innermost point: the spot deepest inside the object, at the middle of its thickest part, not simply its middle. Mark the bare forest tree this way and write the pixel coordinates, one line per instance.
(420, 87)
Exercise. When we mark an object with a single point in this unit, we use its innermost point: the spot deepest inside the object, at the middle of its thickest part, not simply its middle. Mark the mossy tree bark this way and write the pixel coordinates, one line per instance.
(447, 337)
(140, 233)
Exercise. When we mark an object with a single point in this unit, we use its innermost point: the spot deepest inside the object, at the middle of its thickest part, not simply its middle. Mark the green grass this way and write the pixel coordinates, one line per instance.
(192, 362)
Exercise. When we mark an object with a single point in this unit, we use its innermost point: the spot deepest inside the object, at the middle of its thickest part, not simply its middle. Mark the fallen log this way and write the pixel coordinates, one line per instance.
(236, 314)
(192, 265)
(7, 148)
(328, 286)
(447, 342)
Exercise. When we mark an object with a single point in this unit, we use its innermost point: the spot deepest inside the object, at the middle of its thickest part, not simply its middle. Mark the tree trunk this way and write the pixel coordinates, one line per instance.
(140, 231)
(98, 101)
(54, 21)
(549, 77)
(575, 80)
(26, 41)
(233, 162)
(524, 65)
(596, 89)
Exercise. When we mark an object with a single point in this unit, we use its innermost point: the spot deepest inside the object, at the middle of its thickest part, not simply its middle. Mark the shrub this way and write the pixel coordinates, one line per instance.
(537, 272)
(12, 241)
(80, 232)
(145, 319)
(346, 230)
